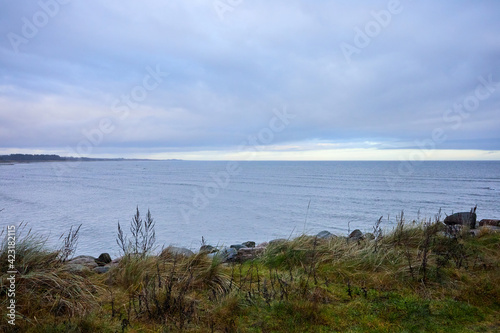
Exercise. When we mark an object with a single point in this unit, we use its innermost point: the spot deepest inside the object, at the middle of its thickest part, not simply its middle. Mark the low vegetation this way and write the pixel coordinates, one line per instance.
(411, 279)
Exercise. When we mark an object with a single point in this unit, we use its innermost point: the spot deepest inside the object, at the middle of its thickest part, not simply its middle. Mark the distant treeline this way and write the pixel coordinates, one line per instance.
(38, 158)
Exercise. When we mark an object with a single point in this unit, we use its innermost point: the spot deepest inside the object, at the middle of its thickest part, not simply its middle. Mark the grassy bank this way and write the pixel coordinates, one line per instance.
(411, 279)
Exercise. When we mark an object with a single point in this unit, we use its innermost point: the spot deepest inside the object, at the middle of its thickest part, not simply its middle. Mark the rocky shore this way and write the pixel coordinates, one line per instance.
(453, 224)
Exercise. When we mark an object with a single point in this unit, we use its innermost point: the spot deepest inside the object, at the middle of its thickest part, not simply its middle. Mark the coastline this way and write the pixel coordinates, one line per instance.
(417, 277)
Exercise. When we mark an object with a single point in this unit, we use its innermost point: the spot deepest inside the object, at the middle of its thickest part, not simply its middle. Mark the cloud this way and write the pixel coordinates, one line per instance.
(225, 77)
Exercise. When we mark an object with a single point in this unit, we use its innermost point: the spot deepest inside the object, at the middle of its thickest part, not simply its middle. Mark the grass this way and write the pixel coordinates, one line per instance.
(414, 278)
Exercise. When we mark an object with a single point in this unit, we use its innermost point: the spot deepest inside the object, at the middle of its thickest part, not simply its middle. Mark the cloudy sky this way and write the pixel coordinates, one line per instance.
(240, 79)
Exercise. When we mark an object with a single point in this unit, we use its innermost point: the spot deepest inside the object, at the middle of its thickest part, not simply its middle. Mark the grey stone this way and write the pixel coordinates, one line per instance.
(87, 261)
(494, 223)
(491, 228)
(225, 254)
(249, 253)
(177, 251)
(237, 246)
(249, 244)
(83, 257)
(230, 254)
(103, 259)
(277, 241)
(116, 260)
(462, 218)
(356, 235)
(325, 234)
(101, 269)
(76, 268)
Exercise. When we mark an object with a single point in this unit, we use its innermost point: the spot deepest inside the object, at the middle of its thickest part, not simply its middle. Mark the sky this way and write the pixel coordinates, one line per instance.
(243, 80)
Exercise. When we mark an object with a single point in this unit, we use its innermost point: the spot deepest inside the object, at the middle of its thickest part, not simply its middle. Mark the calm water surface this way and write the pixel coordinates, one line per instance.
(261, 201)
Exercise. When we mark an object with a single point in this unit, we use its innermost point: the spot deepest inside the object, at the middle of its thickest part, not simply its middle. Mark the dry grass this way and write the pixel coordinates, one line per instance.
(413, 278)
(44, 288)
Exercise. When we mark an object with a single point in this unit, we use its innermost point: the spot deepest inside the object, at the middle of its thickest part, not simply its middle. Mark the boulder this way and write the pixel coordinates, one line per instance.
(77, 268)
(238, 246)
(103, 259)
(356, 235)
(116, 260)
(249, 244)
(494, 223)
(228, 253)
(462, 218)
(87, 261)
(225, 254)
(248, 253)
(277, 241)
(325, 234)
(491, 228)
(181, 251)
(264, 244)
(101, 269)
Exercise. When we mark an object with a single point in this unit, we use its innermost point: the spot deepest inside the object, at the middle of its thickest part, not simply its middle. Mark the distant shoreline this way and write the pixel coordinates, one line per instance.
(28, 158)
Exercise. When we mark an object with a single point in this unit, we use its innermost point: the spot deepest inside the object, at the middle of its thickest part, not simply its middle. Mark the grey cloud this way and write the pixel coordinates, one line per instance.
(225, 77)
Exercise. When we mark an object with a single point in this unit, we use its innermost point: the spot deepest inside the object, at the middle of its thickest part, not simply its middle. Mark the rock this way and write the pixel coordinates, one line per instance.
(264, 244)
(491, 228)
(356, 235)
(484, 229)
(89, 258)
(277, 241)
(226, 254)
(229, 253)
(77, 268)
(325, 234)
(182, 251)
(463, 218)
(249, 253)
(495, 223)
(249, 244)
(208, 249)
(116, 260)
(101, 269)
(103, 259)
(238, 246)
(87, 261)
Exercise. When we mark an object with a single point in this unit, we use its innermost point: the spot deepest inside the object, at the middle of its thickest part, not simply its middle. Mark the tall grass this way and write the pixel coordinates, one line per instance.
(143, 236)
(415, 277)
(44, 287)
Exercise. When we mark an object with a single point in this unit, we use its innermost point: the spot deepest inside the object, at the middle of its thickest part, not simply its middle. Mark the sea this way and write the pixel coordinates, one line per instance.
(224, 202)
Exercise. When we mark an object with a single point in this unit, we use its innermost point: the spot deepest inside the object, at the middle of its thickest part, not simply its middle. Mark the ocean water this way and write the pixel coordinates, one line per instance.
(232, 202)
